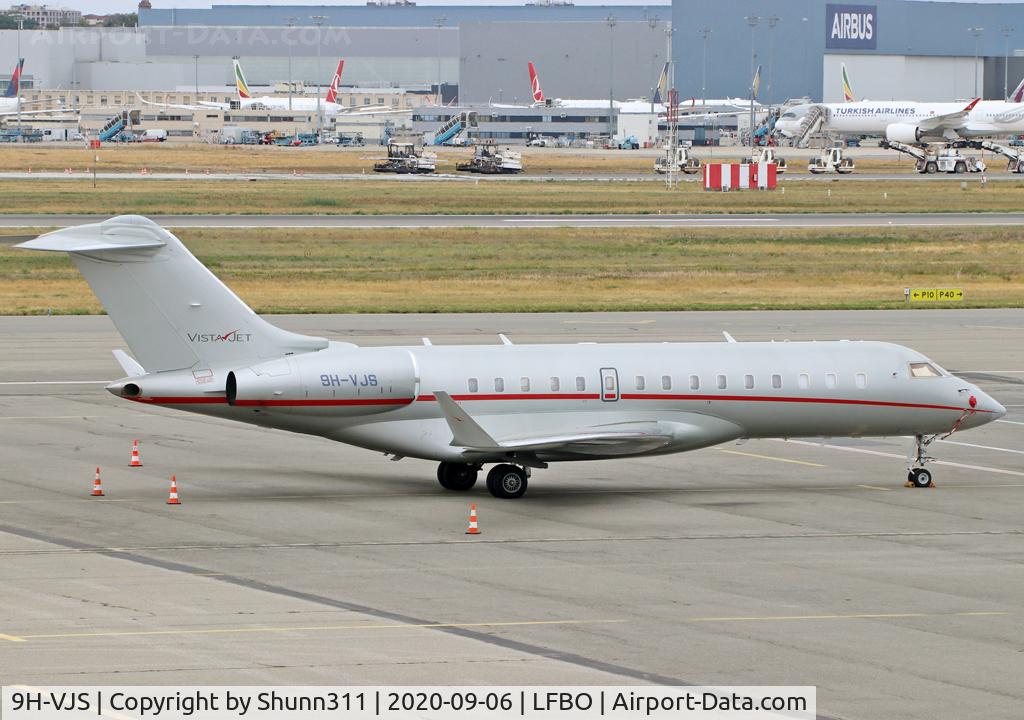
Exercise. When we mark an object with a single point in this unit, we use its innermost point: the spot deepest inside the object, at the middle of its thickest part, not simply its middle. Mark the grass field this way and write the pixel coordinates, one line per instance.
(471, 270)
(370, 197)
(172, 157)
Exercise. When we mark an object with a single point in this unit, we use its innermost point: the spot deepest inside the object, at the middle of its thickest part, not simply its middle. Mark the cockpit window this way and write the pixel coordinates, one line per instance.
(789, 114)
(924, 370)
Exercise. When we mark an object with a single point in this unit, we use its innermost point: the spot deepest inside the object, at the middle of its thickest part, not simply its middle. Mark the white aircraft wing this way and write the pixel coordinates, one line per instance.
(948, 120)
(619, 439)
(29, 113)
(199, 106)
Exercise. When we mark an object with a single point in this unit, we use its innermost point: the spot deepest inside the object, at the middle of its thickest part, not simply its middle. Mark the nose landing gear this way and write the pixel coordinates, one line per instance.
(917, 476)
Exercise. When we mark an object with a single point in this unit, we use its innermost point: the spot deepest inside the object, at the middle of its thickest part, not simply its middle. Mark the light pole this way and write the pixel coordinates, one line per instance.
(439, 23)
(752, 21)
(195, 59)
(1007, 31)
(772, 22)
(612, 22)
(21, 26)
(705, 33)
(290, 22)
(652, 23)
(976, 32)
(807, 69)
(318, 20)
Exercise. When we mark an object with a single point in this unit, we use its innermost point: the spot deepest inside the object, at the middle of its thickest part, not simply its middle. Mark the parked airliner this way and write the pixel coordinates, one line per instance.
(11, 102)
(198, 347)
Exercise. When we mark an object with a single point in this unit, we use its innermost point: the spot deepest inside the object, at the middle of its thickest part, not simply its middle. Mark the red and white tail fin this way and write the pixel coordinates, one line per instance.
(538, 93)
(332, 91)
(1018, 93)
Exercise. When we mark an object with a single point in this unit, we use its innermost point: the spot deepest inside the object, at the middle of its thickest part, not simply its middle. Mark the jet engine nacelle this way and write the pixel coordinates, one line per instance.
(903, 133)
(359, 381)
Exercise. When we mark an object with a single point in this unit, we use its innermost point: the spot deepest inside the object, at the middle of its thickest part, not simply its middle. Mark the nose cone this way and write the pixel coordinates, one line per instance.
(988, 408)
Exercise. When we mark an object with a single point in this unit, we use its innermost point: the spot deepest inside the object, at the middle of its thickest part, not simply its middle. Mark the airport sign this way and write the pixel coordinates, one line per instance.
(851, 27)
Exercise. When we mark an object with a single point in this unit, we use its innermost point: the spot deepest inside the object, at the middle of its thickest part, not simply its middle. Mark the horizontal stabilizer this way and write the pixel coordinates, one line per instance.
(128, 232)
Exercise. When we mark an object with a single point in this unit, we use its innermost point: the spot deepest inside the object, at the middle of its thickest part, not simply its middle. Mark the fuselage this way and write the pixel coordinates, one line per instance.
(702, 394)
(986, 118)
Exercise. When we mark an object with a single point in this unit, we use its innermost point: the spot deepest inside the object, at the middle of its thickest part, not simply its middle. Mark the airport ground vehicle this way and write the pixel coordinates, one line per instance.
(931, 159)
(1014, 158)
(679, 161)
(198, 347)
(491, 160)
(766, 154)
(630, 142)
(540, 141)
(355, 140)
(405, 158)
(832, 160)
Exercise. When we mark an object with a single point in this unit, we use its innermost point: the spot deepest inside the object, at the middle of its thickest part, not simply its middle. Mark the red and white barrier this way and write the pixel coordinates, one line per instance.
(740, 176)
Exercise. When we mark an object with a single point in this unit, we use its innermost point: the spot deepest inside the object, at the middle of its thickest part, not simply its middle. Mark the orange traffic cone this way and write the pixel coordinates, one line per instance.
(472, 529)
(97, 486)
(136, 462)
(172, 497)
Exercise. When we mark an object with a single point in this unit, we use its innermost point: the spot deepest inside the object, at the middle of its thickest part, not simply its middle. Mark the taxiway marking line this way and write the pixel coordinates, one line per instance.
(981, 447)
(56, 382)
(511, 541)
(11, 638)
(854, 616)
(310, 628)
(1010, 422)
(51, 417)
(874, 487)
(879, 453)
(772, 457)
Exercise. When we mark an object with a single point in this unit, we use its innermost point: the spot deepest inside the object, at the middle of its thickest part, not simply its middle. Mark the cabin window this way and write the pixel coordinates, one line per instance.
(722, 382)
(499, 384)
(776, 381)
(694, 382)
(923, 370)
(861, 380)
(666, 382)
(524, 384)
(473, 385)
(748, 382)
(581, 384)
(555, 384)
(641, 382)
(803, 381)
(830, 380)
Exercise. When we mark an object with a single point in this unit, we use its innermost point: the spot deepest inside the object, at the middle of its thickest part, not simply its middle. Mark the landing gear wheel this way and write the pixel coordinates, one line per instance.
(507, 481)
(456, 476)
(920, 477)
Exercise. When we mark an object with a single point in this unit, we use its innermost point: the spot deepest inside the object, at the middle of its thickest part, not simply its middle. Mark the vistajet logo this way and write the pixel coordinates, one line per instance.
(229, 337)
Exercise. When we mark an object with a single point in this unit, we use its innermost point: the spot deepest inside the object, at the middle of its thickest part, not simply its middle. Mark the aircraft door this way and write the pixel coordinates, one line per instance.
(609, 384)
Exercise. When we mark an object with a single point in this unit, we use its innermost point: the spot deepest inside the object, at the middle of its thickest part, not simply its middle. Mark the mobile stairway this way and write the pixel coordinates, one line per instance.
(455, 126)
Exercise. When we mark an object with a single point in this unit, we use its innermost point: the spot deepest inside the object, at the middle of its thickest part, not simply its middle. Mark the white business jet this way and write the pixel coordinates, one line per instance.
(198, 347)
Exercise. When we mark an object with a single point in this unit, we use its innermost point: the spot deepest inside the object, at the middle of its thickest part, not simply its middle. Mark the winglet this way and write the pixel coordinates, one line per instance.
(128, 364)
(728, 337)
(504, 339)
(970, 106)
(465, 431)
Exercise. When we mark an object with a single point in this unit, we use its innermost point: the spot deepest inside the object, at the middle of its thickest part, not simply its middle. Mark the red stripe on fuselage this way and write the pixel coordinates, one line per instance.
(202, 400)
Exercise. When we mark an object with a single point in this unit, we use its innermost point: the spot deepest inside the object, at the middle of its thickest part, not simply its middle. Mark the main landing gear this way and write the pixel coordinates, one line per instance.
(504, 481)
(917, 476)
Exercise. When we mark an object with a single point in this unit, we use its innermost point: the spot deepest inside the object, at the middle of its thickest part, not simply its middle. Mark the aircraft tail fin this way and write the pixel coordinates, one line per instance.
(170, 309)
(538, 93)
(847, 89)
(240, 84)
(661, 89)
(332, 91)
(1018, 93)
(12, 86)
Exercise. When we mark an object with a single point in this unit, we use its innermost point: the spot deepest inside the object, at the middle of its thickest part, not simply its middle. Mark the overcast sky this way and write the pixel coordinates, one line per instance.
(108, 6)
